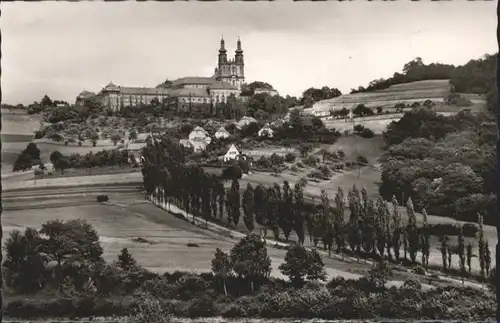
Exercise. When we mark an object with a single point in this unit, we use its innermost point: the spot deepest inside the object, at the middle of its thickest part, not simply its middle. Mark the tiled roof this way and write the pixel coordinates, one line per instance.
(222, 86)
(194, 92)
(198, 128)
(222, 129)
(86, 94)
(193, 80)
(144, 90)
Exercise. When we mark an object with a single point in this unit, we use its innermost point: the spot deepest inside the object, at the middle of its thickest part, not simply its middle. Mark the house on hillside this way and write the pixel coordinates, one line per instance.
(197, 145)
(266, 131)
(134, 150)
(222, 133)
(232, 154)
(245, 121)
(198, 133)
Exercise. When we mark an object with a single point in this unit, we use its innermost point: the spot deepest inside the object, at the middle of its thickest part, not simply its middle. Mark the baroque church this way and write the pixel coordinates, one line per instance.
(186, 94)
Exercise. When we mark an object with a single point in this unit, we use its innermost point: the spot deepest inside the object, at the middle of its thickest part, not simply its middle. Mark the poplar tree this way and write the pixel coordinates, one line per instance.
(298, 219)
(425, 241)
(272, 210)
(285, 220)
(444, 249)
(249, 208)
(326, 222)
(487, 258)
(469, 257)
(353, 230)
(260, 197)
(339, 226)
(381, 225)
(461, 252)
(481, 246)
(396, 235)
(368, 227)
(221, 194)
(233, 203)
(412, 232)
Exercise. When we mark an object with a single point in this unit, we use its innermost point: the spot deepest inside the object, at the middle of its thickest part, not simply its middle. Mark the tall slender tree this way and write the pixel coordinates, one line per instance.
(481, 247)
(249, 208)
(233, 203)
(285, 219)
(380, 226)
(469, 257)
(260, 197)
(461, 252)
(412, 232)
(425, 241)
(221, 194)
(339, 225)
(396, 235)
(272, 210)
(298, 210)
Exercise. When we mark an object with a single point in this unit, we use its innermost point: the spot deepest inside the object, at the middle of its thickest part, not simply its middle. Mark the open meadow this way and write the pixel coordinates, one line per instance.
(157, 240)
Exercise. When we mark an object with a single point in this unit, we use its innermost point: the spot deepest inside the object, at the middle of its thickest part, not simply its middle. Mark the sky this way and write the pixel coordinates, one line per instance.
(63, 48)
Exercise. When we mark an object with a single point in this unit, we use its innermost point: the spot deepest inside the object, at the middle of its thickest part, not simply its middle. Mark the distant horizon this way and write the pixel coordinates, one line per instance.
(61, 49)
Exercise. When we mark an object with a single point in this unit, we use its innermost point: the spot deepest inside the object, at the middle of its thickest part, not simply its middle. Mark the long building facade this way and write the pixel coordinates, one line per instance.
(185, 94)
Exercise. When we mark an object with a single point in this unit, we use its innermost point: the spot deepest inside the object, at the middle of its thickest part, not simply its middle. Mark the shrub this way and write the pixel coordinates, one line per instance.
(380, 273)
(315, 173)
(150, 310)
(310, 160)
(412, 283)
(39, 134)
(202, 306)
(362, 160)
(290, 158)
(301, 165)
(341, 154)
(102, 198)
(325, 171)
(419, 270)
(367, 133)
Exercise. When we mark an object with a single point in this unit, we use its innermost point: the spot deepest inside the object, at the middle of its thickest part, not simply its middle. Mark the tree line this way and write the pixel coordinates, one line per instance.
(370, 228)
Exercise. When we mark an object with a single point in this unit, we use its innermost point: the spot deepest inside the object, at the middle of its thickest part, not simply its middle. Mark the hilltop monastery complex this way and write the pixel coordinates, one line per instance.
(185, 93)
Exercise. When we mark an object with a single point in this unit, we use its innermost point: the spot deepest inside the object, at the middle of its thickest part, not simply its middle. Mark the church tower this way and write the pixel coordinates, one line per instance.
(231, 71)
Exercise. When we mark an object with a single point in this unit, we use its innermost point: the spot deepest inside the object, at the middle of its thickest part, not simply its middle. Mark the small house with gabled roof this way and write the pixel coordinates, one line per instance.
(222, 133)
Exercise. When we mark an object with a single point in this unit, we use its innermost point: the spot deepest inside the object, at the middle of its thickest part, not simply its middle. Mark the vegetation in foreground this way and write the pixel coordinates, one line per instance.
(58, 271)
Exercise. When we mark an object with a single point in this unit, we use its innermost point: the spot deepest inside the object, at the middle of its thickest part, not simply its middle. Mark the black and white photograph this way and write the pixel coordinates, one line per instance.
(237, 161)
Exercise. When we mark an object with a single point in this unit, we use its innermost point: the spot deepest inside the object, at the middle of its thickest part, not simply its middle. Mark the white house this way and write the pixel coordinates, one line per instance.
(231, 154)
(222, 133)
(198, 145)
(245, 121)
(265, 131)
(198, 133)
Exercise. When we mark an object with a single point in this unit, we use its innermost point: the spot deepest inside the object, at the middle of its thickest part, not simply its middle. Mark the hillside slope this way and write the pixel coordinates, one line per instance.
(15, 122)
(435, 90)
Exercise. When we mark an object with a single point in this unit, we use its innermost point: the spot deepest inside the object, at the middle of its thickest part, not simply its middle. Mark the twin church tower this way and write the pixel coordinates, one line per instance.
(231, 71)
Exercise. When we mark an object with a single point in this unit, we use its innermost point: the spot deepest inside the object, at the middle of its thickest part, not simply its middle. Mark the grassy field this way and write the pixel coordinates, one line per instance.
(16, 123)
(166, 238)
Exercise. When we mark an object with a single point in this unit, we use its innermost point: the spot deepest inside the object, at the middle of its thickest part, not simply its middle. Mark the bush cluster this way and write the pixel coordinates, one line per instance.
(238, 286)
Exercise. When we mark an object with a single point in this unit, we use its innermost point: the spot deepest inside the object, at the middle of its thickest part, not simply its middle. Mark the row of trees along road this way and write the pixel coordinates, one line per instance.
(369, 228)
